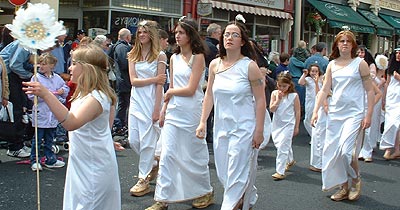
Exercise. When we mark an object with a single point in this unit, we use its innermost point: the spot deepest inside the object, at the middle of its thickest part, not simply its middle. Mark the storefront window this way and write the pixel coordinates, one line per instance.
(95, 19)
(170, 6)
(130, 21)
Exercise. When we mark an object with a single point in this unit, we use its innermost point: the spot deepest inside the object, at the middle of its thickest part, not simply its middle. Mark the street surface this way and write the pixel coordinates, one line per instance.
(300, 190)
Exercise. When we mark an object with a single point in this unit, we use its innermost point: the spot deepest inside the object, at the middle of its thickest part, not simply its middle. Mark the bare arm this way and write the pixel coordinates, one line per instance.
(161, 66)
(297, 115)
(367, 82)
(257, 83)
(86, 112)
(302, 81)
(208, 101)
(135, 81)
(190, 89)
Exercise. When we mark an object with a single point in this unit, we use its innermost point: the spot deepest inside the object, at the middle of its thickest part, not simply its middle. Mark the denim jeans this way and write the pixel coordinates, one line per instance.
(47, 134)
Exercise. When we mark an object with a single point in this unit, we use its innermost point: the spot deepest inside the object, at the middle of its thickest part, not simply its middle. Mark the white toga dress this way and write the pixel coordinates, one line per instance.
(92, 181)
(183, 171)
(234, 124)
(143, 133)
(344, 135)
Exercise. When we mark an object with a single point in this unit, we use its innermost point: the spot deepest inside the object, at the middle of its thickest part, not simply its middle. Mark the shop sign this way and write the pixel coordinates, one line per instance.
(17, 2)
(204, 9)
(127, 21)
(276, 4)
(391, 5)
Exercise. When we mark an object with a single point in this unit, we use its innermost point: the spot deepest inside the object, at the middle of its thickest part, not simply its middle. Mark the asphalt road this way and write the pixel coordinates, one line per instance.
(300, 190)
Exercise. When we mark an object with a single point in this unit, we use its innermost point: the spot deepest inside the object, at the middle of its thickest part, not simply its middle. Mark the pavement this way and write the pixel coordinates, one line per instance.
(300, 190)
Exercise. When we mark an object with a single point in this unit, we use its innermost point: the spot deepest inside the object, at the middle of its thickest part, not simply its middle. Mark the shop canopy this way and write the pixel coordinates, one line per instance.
(393, 21)
(340, 15)
(382, 28)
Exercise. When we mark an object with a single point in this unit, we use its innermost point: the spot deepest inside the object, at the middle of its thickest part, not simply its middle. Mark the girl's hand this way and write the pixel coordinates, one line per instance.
(35, 88)
(4, 102)
(167, 95)
(118, 147)
(155, 116)
(160, 79)
(295, 131)
(60, 91)
(305, 71)
(201, 131)
(314, 119)
(161, 119)
(396, 75)
(280, 95)
(258, 138)
(366, 123)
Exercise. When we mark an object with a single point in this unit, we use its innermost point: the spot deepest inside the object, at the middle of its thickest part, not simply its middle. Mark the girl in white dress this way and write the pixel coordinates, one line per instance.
(313, 82)
(348, 78)
(147, 65)
(236, 89)
(285, 105)
(391, 134)
(183, 172)
(92, 180)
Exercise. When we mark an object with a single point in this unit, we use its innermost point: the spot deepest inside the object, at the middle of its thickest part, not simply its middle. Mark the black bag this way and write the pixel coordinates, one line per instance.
(7, 128)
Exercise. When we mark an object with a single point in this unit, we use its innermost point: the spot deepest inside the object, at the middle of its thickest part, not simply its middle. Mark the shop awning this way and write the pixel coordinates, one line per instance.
(340, 15)
(251, 10)
(393, 21)
(382, 28)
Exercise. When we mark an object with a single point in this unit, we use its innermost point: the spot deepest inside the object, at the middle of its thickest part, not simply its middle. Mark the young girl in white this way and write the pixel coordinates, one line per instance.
(147, 65)
(285, 104)
(311, 79)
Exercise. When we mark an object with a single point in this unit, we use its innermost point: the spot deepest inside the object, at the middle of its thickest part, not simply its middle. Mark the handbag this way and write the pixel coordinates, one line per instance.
(8, 129)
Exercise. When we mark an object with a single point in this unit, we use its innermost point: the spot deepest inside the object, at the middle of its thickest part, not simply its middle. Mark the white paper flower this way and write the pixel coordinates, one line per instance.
(240, 17)
(36, 27)
(381, 62)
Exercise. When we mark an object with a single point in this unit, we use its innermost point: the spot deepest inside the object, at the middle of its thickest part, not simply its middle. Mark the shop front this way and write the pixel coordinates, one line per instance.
(269, 22)
(332, 18)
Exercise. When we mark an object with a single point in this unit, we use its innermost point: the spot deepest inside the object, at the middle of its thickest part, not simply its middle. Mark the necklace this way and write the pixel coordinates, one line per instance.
(146, 56)
(229, 66)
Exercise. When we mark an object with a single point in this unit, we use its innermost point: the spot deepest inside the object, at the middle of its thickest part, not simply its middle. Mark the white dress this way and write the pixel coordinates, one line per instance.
(183, 171)
(318, 139)
(234, 124)
(143, 133)
(92, 181)
(310, 102)
(283, 123)
(392, 114)
(344, 135)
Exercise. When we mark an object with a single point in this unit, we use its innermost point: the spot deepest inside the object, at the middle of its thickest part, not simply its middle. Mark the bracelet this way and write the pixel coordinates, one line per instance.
(65, 118)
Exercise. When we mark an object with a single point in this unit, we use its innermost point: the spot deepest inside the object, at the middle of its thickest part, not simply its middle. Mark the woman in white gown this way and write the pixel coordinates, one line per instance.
(183, 172)
(147, 65)
(92, 180)
(391, 134)
(235, 81)
(348, 77)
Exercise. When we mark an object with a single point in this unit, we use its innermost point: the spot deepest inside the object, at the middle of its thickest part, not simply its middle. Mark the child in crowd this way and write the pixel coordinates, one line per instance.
(311, 79)
(285, 105)
(46, 120)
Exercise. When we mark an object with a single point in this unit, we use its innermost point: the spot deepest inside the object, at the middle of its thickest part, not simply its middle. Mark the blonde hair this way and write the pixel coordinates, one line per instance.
(135, 54)
(94, 72)
(47, 58)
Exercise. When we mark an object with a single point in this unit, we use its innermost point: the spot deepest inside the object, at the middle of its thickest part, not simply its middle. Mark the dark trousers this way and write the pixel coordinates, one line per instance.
(121, 117)
(46, 134)
(19, 100)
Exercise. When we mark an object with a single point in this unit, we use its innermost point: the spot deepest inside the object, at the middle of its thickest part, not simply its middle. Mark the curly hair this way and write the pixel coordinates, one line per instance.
(286, 78)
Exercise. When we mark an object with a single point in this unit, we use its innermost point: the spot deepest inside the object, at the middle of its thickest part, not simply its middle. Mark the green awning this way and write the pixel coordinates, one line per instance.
(340, 15)
(393, 21)
(382, 28)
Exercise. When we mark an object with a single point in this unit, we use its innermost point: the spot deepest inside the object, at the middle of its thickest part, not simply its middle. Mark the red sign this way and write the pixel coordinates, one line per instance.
(17, 2)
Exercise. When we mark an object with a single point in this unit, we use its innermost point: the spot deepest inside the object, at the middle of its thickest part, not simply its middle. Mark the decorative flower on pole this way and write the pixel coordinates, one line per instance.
(36, 27)
(315, 19)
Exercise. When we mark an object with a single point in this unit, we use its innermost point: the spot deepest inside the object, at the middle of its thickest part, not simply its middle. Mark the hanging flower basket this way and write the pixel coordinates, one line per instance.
(315, 19)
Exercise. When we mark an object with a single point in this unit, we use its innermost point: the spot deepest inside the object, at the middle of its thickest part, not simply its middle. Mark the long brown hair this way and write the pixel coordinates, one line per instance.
(285, 77)
(335, 50)
(94, 72)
